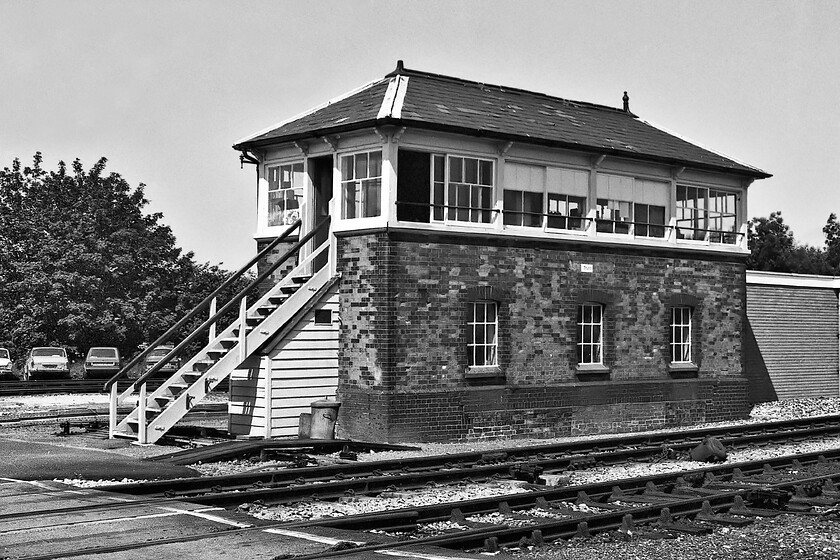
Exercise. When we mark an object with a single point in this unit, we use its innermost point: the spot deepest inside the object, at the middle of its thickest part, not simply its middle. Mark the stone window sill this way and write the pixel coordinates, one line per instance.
(683, 369)
(483, 372)
(590, 371)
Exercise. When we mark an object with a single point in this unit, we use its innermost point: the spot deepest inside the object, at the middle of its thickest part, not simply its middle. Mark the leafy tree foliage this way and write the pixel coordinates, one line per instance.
(773, 248)
(82, 265)
(832, 242)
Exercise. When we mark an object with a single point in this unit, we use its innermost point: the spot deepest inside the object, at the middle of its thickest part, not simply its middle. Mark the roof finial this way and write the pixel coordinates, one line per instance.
(626, 100)
(400, 66)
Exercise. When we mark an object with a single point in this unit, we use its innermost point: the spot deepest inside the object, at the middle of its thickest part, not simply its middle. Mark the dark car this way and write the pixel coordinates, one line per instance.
(102, 361)
(158, 354)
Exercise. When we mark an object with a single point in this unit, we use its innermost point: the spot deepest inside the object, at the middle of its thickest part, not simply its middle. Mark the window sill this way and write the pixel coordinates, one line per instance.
(483, 372)
(683, 369)
(592, 371)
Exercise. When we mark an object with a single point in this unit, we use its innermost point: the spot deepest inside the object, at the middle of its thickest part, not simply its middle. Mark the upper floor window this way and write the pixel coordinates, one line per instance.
(613, 216)
(590, 333)
(566, 211)
(524, 194)
(361, 185)
(702, 212)
(482, 333)
(463, 189)
(681, 335)
(285, 191)
(631, 205)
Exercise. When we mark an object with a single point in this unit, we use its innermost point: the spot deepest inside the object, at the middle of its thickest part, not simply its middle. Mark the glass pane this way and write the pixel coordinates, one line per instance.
(438, 201)
(372, 197)
(347, 168)
(491, 356)
(273, 177)
(491, 334)
(479, 312)
(452, 201)
(479, 335)
(463, 202)
(361, 166)
(596, 313)
(596, 354)
(439, 168)
(533, 205)
(491, 312)
(350, 200)
(485, 173)
(471, 170)
(512, 205)
(375, 164)
(471, 313)
(586, 358)
(455, 174)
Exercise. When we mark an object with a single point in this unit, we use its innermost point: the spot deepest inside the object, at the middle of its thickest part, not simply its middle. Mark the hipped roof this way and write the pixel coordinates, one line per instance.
(418, 99)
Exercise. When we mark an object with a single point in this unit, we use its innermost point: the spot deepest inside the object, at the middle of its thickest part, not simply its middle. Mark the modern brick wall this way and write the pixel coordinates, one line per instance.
(402, 356)
(791, 347)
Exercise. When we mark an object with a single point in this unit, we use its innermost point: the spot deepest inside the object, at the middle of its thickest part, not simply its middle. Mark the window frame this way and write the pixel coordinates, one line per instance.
(681, 346)
(473, 324)
(581, 326)
(297, 190)
(362, 186)
(701, 216)
(441, 191)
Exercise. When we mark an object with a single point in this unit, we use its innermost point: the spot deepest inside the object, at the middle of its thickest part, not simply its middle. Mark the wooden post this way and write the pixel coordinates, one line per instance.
(142, 436)
(267, 363)
(112, 411)
(212, 325)
(243, 335)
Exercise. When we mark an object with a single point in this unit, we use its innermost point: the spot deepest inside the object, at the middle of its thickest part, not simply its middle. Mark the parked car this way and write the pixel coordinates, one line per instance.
(5, 364)
(46, 361)
(102, 361)
(157, 355)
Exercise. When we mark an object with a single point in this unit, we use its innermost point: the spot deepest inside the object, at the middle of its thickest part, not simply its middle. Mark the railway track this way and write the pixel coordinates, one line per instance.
(690, 502)
(282, 486)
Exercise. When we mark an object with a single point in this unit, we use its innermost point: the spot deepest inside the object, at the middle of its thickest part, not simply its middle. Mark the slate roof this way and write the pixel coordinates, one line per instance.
(420, 99)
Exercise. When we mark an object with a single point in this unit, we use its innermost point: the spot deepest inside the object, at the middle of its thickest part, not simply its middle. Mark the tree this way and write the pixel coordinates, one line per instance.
(770, 243)
(832, 242)
(82, 265)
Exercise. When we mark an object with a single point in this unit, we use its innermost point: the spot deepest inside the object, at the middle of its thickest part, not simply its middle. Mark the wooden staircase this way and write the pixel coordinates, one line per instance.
(256, 327)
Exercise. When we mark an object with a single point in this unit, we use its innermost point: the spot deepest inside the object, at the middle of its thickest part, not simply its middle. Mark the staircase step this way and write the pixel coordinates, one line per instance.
(301, 279)
(216, 353)
(277, 299)
(266, 310)
(253, 320)
(125, 435)
(289, 288)
(193, 374)
(201, 366)
(229, 343)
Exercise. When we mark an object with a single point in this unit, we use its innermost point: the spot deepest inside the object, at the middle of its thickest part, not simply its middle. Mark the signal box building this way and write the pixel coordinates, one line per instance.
(502, 263)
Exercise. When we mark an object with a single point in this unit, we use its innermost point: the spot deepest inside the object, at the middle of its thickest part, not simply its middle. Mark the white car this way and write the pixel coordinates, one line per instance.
(46, 361)
(5, 362)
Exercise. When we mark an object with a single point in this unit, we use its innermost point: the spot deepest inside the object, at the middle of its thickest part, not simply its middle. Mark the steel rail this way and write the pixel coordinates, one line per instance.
(374, 476)
(719, 499)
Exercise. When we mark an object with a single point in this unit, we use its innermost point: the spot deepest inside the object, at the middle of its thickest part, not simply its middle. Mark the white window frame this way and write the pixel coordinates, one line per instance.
(681, 334)
(289, 215)
(362, 186)
(702, 217)
(452, 214)
(587, 327)
(488, 348)
(605, 216)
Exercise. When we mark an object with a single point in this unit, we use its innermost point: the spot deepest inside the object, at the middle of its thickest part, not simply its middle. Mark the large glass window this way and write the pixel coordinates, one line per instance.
(649, 220)
(590, 333)
(524, 194)
(566, 211)
(361, 185)
(464, 191)
(482, 333)
(681, 334)
(702, 211)
(285, 191)
(613, 216)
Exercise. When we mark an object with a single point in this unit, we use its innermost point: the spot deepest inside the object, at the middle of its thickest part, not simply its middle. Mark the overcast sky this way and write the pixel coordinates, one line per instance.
(163, 89)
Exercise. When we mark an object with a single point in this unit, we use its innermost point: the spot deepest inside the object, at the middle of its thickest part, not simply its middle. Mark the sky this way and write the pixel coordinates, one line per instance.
(163, 89)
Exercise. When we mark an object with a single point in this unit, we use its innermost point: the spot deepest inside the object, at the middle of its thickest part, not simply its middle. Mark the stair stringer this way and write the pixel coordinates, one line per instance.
(182, 401)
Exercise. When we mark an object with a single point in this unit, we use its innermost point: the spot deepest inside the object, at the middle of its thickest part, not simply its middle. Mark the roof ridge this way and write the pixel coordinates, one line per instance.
(401, 70)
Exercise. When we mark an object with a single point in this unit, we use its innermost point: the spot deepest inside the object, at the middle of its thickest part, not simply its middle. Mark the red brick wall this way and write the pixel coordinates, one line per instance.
(402, 354)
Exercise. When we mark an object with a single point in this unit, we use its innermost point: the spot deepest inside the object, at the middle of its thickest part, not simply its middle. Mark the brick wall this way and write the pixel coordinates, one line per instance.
(402, 356)
(275, 254)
